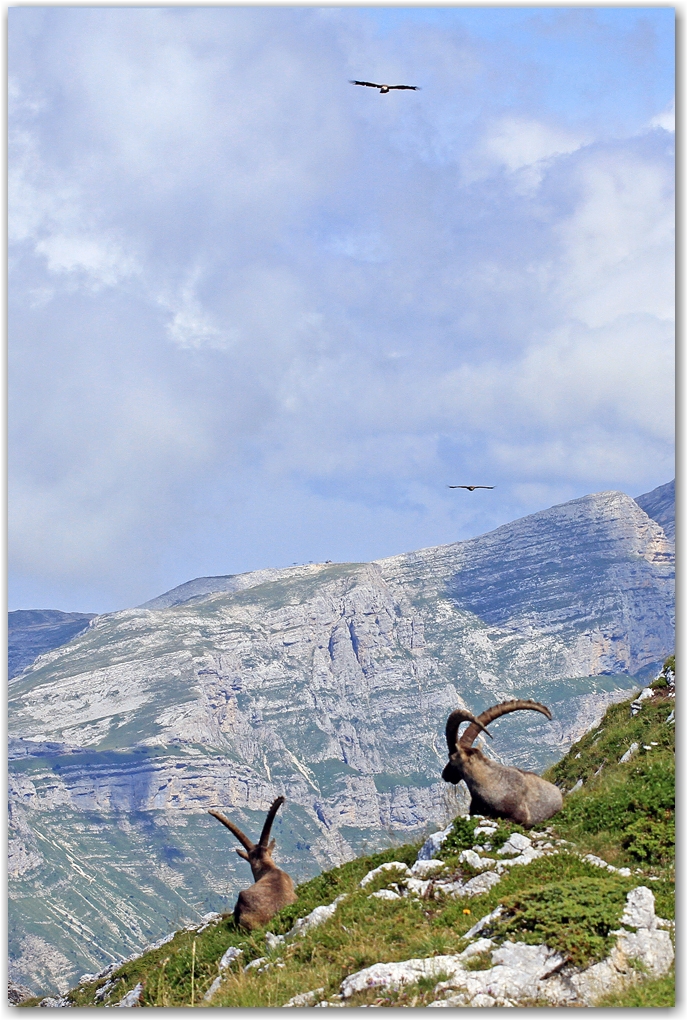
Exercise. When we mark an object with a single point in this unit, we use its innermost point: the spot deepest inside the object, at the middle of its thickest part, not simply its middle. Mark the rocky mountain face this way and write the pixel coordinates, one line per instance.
(329, 683)
(31, 632)
(659, 504)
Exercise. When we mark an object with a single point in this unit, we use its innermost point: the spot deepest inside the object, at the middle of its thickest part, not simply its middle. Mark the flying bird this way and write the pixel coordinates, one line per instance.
(383, 88)
(472, 487)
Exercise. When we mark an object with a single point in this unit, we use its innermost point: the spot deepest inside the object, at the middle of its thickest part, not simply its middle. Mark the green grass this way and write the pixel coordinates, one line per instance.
(623, 813)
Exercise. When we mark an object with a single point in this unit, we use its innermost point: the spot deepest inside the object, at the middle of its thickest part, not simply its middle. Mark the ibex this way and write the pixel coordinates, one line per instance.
(498, 791)
(273, 888)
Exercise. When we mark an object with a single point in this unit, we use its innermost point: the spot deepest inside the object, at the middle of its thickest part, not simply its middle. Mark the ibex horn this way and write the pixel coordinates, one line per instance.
(494, 713)
(460, 715)
(265, 834)
(242, 838)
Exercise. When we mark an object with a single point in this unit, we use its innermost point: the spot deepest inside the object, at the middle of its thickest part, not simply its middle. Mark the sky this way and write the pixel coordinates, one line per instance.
(260, 316)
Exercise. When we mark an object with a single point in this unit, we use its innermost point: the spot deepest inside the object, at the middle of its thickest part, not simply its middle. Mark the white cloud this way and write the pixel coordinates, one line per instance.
(51, 215)
(522, 147)
(618, 242)
(519, 142)
(190, 325)
(99, 258)
(665, 119)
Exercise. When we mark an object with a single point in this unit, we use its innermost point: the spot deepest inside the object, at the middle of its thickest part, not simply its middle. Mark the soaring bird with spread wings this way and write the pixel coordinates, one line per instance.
(472, 487)
(384, 88)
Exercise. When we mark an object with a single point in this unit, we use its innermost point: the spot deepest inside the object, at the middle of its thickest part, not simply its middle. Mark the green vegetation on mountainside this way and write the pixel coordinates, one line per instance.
(623, 812)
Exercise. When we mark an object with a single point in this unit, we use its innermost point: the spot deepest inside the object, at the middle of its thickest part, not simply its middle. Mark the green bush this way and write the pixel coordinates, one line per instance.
(575, 917)
(461, 837)
(651, 840)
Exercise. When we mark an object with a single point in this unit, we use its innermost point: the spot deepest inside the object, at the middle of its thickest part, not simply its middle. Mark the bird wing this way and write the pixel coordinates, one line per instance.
(459, 486)
(415, 88)
(370, 83)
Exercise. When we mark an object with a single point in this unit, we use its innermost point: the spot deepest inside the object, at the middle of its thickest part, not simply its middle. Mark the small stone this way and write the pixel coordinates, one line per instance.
(515, 844)
(132, 997)
(389, 866)
(316, 917)
(481, 883)
(423, 869)
(480, 946)
(524, 858)
(482, 999)
(475, 861)
(212, 989)
(433, 843)
(231, 954)
(385, 894)
(417, 886)
(483, 922)
(449, 888)
(596, 861)
(453, 1000)
(255, 963)
(639, 908)
(304, 998)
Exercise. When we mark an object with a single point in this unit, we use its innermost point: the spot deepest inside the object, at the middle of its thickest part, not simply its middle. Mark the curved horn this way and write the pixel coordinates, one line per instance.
(490, 714)
(265, 834)
(461, 715)
(242, 838)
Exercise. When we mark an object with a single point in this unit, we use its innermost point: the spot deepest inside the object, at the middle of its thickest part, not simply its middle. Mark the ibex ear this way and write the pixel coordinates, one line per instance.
(272, 845)
(242, 853)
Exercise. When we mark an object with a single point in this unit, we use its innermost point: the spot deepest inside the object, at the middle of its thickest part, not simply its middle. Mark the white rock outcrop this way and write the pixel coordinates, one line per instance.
(395, 866)
(521, 974)
(316, 917)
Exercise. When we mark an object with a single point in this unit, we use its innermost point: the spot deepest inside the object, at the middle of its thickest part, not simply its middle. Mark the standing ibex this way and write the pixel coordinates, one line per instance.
(273, 888)
(498, 791)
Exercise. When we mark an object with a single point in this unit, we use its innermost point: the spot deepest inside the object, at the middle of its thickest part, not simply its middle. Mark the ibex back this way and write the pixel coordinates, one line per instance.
(273, 888)
(498, 791)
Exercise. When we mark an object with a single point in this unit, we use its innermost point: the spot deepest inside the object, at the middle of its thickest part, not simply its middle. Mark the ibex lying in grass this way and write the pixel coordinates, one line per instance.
(498, 791)
(273, 888)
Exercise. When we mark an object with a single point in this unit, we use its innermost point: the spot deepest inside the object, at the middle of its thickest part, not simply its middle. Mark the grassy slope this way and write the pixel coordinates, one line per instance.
(623, 813)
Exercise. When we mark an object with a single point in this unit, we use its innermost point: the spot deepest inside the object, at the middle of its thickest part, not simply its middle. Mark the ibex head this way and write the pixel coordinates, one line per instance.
(258, 855)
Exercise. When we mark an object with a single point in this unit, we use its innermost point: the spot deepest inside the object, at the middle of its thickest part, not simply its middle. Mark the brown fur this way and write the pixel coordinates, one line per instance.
(498, 791)
(273, 888)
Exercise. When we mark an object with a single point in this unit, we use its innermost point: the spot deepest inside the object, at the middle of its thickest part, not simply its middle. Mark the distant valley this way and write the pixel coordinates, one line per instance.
(329, 683)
